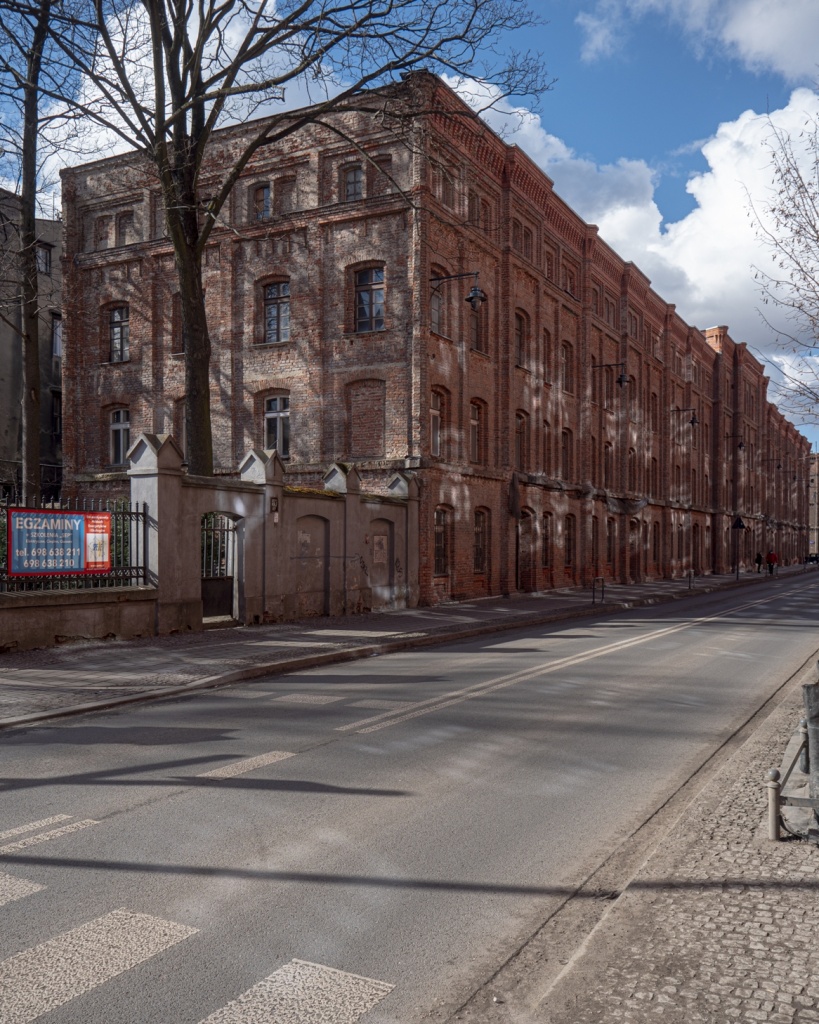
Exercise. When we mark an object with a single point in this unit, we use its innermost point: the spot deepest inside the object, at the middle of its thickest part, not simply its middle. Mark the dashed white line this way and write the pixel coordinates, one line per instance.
(46, 837)
(304, 993)
(44, 977)
(310, 698)
(248, 764)
(32, 826)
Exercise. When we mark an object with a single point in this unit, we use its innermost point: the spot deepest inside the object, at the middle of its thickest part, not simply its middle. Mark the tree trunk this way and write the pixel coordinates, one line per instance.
(198, 435)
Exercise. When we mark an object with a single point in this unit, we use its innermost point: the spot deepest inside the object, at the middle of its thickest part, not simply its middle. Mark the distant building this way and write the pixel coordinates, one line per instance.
(11, 370)
(570, 426)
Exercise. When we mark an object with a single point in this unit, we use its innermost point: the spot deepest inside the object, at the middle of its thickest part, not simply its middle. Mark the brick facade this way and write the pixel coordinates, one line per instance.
(549, 429)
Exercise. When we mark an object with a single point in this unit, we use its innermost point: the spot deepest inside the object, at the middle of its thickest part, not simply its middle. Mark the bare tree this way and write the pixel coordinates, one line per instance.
(788, 225)
(32, 70)
(163, 75)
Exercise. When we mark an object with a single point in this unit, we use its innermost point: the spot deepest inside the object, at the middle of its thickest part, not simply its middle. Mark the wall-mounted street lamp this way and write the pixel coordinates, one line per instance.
(476, 294)
(693, 421)
(741, 445)
(622, 378)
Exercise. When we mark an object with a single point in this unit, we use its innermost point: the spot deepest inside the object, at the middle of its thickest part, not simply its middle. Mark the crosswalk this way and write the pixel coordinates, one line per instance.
(64, 968)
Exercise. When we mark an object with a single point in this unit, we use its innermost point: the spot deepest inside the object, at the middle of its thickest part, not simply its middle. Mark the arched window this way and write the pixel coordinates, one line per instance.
(632, 470)
(547, 355)
(608, 465)
(547, 447)
(655, 547)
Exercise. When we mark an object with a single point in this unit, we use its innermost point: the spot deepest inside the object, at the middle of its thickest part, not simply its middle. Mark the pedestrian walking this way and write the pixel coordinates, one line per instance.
(758, 561)
(771, 560)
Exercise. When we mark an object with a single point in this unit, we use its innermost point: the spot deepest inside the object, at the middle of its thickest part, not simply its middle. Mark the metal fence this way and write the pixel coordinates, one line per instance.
(129, 532)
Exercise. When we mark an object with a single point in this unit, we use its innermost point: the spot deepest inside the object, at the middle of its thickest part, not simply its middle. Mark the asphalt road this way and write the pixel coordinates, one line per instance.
(369, 841)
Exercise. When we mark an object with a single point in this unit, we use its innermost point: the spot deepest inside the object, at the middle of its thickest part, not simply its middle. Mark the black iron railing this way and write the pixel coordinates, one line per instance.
(129, 531)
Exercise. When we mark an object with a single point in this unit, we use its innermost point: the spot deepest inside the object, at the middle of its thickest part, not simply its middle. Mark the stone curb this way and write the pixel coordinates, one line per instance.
(365, 651)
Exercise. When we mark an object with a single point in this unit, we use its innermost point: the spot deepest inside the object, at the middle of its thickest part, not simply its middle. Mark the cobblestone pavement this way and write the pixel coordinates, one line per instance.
(720, 925)
(84, 675)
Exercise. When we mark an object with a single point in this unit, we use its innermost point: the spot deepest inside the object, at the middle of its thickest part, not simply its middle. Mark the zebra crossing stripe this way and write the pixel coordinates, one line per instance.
(247, 764)
(12, 888)
(304, 993)
(33, 826)
(45, 837)
(44, 977)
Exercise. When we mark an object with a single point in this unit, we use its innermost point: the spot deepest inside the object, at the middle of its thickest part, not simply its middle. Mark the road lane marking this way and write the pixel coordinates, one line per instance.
(247, 764)
(380, 705)
(44, 977)
(46, 837)
(12, 888)
(32, 826)
(304, 993)
(310, 698)
(388, 718)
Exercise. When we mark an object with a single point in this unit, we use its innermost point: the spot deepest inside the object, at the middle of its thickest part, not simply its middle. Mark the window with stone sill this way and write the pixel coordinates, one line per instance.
(370, 300)
(277, 425)
(480, 556)
(261, 205)
(352, 183)
(277, 313)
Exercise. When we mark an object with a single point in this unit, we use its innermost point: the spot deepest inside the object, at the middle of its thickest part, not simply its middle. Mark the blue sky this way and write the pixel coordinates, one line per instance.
(656, 131)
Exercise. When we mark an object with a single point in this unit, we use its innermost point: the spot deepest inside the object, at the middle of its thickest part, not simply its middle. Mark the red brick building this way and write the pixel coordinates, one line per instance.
(570, 426)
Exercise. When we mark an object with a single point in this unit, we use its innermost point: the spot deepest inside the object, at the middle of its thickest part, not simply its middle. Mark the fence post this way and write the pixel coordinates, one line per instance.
(773, 804)
(804, 756)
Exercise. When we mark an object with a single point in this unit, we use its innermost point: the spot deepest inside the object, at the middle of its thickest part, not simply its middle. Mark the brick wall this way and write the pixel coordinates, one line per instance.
(611, 479)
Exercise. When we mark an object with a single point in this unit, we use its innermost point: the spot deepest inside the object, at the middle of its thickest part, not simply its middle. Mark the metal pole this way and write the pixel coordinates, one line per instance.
(773, 804)
(804, 757)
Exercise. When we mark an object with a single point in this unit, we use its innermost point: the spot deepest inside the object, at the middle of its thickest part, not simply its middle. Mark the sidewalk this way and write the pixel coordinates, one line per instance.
(719, 925)
(92, 675)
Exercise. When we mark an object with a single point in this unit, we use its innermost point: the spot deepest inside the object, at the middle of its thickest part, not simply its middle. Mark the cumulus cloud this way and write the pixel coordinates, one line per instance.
(763, 34)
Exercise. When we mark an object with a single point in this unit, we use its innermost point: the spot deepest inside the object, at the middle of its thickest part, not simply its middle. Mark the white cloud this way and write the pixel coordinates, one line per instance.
(763, 34)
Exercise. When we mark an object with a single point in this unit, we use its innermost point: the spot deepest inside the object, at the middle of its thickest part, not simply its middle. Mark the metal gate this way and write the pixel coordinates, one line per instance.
(218, 562)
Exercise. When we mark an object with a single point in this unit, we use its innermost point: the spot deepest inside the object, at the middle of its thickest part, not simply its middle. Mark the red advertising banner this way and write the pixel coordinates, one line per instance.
(47, 542)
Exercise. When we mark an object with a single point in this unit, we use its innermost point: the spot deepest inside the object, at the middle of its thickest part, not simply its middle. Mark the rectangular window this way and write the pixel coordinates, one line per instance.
(277, 313)
(261, 202)
(120, 436)
(436, 311)
(435, 425)
(43, 257)
(441, 542)
(119, 334)
(277, 425)
(568, 541)
(353, 184)
(369, 300)
(546, 541)
(475, 432)
(56, 336)
(481, 548)
(57, 416)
